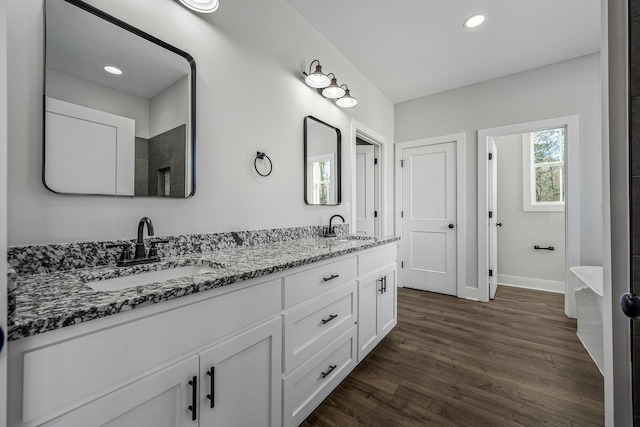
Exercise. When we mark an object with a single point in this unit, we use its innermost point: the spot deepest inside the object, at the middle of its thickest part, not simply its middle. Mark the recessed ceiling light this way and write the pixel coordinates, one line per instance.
(474, 21)
(113, 70)
(202, 6)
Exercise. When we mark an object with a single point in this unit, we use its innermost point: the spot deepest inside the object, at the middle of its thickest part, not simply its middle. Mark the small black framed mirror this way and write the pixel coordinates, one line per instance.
(322, 163)
(119, 107)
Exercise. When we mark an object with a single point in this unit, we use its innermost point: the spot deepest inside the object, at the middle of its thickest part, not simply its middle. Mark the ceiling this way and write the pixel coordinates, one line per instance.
(81, 44)
(414, 48)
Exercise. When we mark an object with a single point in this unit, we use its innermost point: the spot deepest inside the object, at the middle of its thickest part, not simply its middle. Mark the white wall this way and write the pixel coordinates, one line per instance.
(562, 89)
(170, 108)
(250, 97)
(88, 94)
(520, 230)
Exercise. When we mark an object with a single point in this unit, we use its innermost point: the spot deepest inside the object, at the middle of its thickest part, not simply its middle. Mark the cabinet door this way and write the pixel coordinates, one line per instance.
(368, 290)
(240, 379)
(387, 318)
(161, 399)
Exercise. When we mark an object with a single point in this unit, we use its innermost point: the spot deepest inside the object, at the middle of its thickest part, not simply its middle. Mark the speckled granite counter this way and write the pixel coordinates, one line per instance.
(52, 300)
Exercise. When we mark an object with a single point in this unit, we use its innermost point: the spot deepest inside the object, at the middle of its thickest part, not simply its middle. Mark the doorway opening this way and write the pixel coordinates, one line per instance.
(558, 167)
(527, 195)
(368, 191)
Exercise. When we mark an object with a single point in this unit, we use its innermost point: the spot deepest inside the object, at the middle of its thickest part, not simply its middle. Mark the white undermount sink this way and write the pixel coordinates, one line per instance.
(141, 279)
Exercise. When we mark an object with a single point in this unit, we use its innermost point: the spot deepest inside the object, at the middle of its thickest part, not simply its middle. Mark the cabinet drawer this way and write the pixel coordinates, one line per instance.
(307, 284)
(311, 326)
(376, 258)
(307, 386)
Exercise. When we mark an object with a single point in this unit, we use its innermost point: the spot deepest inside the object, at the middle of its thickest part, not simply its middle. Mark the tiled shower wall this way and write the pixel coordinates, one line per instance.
(634, 152)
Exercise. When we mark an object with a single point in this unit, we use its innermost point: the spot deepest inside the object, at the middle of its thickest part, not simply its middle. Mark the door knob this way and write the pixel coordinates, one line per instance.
(499, 224)
(451, 225)
(630, 305)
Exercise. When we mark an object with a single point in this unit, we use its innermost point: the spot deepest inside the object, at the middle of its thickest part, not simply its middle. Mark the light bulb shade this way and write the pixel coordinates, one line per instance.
(333, 90)
(474, 21)
(202, 6)
(317, 79)
(347, 101)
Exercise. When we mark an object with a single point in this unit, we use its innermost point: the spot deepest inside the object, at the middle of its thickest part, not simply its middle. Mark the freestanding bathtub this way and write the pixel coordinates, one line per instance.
(589, 308)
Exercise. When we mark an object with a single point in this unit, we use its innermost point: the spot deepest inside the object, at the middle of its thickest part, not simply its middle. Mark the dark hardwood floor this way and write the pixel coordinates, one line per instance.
(515, 361)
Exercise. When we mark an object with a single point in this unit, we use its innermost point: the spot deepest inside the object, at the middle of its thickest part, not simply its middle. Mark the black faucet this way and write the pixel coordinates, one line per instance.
(140, 243)
(140, 257)
(331, 232)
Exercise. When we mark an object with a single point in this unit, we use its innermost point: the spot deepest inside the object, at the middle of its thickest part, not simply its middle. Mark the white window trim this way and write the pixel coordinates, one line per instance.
(529, 182)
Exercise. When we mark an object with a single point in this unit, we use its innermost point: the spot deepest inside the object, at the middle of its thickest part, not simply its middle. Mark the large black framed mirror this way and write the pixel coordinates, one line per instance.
(322, 163)
(119, 107)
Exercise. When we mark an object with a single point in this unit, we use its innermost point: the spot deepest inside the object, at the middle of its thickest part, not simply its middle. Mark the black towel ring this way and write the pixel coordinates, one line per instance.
(261, 156)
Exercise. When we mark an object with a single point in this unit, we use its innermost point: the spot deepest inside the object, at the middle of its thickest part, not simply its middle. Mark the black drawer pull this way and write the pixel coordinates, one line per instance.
(331, 368)
(333, 276)
(540, 248)
(194, 398)
(331, 317)
(212, 374)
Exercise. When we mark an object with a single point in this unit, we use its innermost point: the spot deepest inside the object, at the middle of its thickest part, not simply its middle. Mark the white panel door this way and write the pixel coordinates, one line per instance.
(161, 399)
(240, 383)
(493, 221)
(365, 189)
(429, 218)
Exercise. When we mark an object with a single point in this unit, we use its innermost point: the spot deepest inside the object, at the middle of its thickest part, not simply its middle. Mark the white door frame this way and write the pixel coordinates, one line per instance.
(459, 138)
(572, 200)
(380, 199)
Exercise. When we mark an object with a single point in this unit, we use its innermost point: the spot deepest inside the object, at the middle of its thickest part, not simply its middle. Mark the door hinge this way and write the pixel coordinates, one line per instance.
(375, 161)
(375, 214)
(401, 264)
(490, 214)
(401, 163)
(401, 214)
(490, 156)
(490, 273)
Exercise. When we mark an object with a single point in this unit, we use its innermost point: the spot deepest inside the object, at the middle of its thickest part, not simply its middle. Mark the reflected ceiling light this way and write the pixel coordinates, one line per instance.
(113, 70)
(474, 21)
(317, 79)
(202, 6)
(333, 91)
(347, 101)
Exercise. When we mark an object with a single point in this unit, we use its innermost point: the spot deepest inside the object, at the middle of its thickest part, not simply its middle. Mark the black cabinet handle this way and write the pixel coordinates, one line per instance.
(381, 290)
(333, 276)
(212, 374)
(538, 248)
(194, 398)
(331, 317)
(331, 368)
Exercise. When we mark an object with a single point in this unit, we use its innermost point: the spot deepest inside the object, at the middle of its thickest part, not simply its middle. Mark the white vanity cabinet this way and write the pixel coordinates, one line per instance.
(263, 352)
(377, 305)
(138, 371)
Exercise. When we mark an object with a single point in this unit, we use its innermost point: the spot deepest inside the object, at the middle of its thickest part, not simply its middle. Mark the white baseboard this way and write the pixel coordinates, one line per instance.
(529, 283)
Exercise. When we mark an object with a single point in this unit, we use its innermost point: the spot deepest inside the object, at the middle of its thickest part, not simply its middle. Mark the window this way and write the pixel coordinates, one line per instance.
(543, 161)
(321, 170)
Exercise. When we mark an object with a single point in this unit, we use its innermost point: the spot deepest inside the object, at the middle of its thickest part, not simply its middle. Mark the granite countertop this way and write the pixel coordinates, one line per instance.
(49, 301)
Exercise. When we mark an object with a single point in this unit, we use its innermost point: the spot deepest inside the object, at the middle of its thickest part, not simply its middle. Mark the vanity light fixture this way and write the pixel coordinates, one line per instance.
(328, 86)
(202, 6)
(112, 70)
(317, 79)
(333, 91)
(346, 101)
(474, 21)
